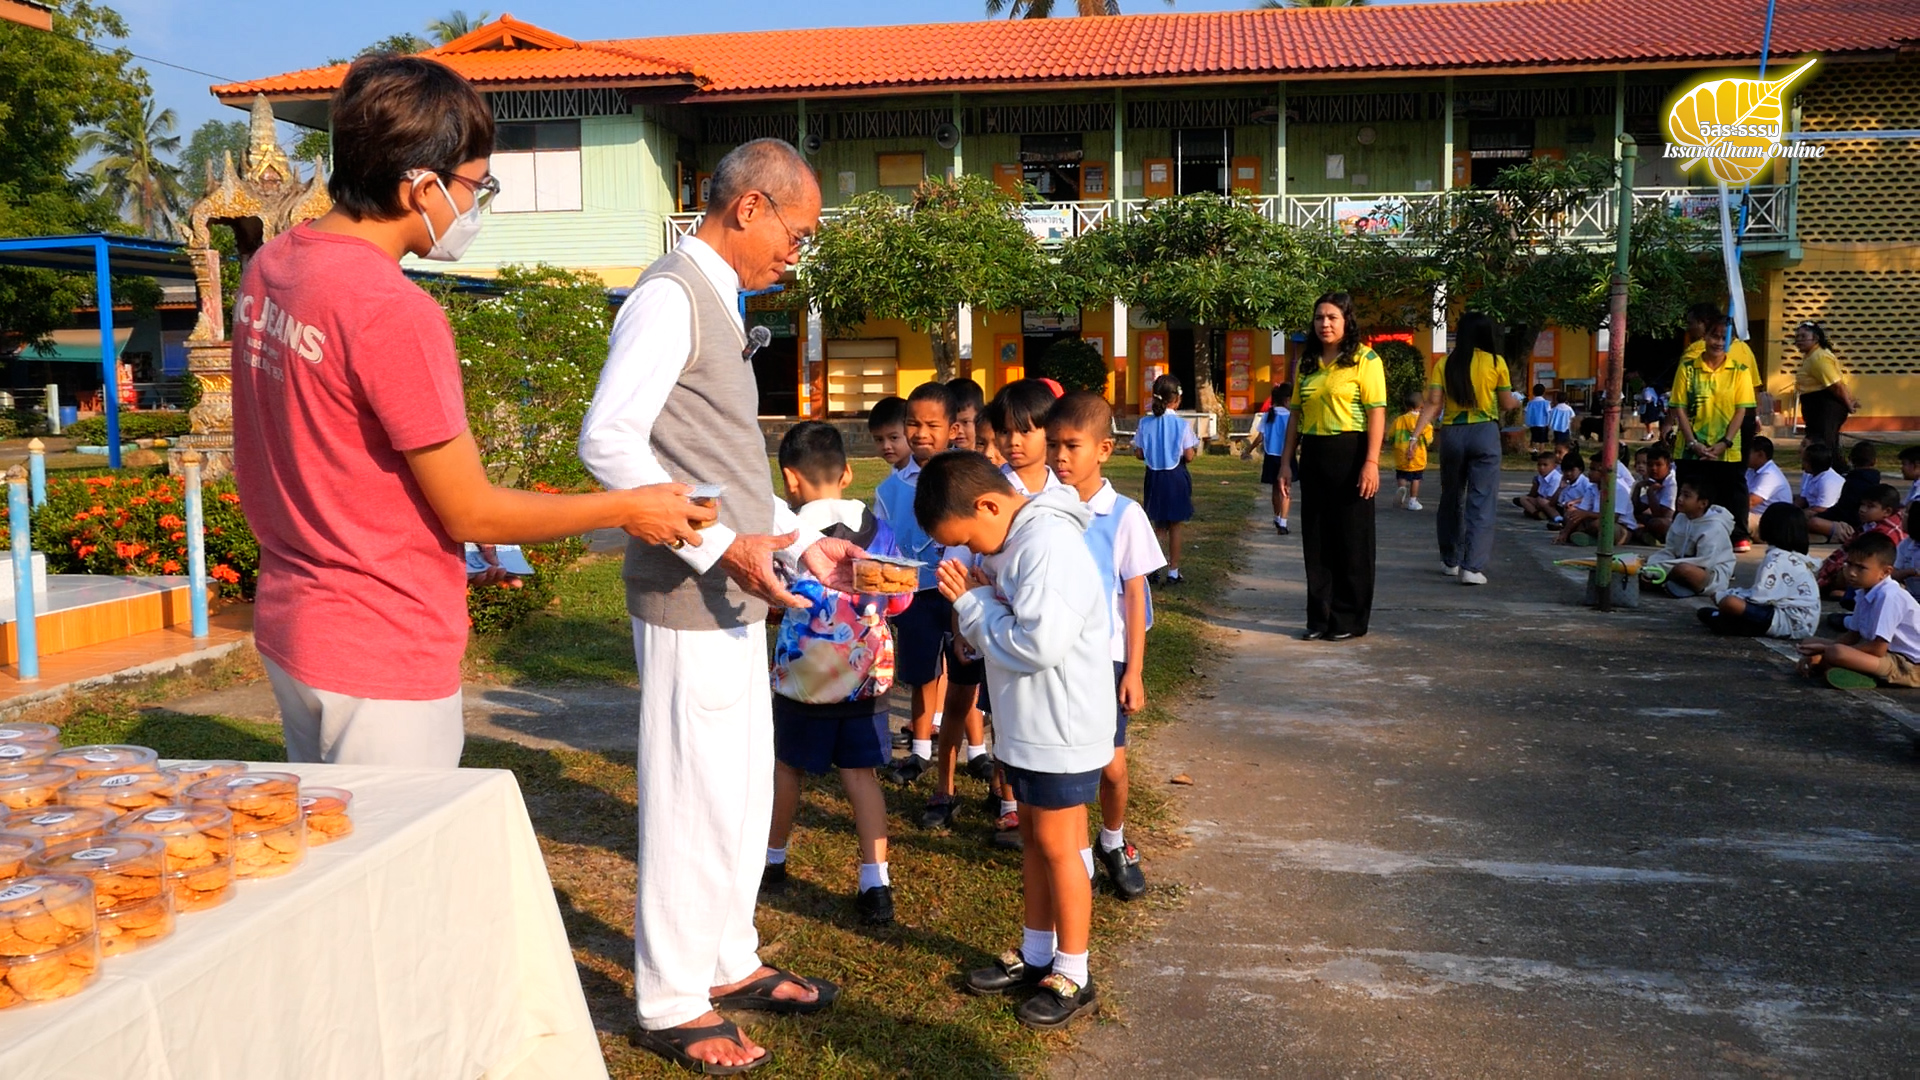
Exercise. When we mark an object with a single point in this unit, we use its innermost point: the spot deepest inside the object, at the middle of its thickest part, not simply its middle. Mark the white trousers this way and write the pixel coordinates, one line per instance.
(706, 802)
(324, 726)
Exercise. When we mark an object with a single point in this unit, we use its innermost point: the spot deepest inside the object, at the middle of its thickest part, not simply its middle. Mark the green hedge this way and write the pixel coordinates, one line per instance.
(133, 425)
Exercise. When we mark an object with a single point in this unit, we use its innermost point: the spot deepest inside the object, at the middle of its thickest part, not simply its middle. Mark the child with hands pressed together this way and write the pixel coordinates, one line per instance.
(1039, 609)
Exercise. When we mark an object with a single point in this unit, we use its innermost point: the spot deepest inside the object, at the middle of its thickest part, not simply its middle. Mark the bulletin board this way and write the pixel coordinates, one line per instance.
(1093, 180)
(1239, 371)
(1007, 176)
(1153, 360)
(1158, 182)
(903, 169)
(1246, 175)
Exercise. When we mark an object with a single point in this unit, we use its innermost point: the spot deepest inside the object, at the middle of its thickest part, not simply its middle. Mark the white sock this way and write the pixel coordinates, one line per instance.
(936, 721)
(873, 875)
(1036, 947)
(1173, 574)
(976, 751)
(1281, 520)
(1113, 839)
(1008, 806)
(776, 856)
(923, 748)
(1086, 856)
(1071, 965)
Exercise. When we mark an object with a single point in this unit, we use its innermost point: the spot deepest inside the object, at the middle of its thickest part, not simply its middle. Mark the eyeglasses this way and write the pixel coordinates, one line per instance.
(484, 189)
(799, 242)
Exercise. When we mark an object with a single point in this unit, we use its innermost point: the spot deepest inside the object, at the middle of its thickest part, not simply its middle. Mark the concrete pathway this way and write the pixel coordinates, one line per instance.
(1506, 835)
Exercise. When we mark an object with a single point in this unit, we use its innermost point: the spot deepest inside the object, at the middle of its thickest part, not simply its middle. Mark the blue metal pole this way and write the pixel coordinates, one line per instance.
(109, 363)
(19, 527)
(196, 545)
(37, 472)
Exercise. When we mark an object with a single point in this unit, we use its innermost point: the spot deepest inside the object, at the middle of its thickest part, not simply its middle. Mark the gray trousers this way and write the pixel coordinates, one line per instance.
(1469, 474)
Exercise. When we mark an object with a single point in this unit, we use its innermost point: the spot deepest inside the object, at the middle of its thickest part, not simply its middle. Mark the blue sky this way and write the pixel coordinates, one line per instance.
(240, 40)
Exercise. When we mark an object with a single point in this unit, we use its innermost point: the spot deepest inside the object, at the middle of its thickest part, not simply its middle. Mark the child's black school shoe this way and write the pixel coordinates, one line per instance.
(1123, 869)
(939, 813)
(875, 905)
(1837, 623)
(773, 877)
(1284, 531)
(909, 770)
(1156, 579)
(1058, 1003)
(1009, 972)
(981, 768)
(903, 738)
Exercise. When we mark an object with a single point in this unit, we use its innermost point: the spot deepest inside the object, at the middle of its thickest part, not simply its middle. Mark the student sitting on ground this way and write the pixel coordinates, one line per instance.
(1653, 495)
(1784, 600)
(832, 669)
(1879, 513)
(1579, 499)
(1884, 644)
(1862, 477)
(1539, 502)
(1699, 555)
(1581, 524)
(1906, 556)
(1910, 471)
(1820, 488)
(1766, 485)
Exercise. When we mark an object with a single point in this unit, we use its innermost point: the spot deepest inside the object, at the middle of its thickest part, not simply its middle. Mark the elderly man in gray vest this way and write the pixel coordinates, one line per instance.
(677, 401)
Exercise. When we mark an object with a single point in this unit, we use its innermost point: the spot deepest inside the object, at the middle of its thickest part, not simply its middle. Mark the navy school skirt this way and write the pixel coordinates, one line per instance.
(1169, 494)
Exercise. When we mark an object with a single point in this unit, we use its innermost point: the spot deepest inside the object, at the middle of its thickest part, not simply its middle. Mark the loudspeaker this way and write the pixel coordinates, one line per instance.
(812, 143)
(947, 136)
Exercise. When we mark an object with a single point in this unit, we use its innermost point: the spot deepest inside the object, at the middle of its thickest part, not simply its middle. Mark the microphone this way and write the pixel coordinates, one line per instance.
(757, 338)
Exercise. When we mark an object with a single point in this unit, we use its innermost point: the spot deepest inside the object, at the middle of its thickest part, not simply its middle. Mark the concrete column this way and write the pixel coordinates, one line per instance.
(1280, 145)
(1118, 184)
(959, 170)
(1446, 146)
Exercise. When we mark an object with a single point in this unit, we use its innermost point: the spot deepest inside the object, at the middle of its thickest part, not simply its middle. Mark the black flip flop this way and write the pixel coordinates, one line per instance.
(672, 1043)
(757, 996)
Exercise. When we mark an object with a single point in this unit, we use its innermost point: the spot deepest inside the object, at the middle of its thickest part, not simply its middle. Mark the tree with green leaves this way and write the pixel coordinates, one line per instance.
(956, 242)
(52, 87)
(130, 170)
(208, 145)
(1269, 5)
(454, 24)
(1212, 261)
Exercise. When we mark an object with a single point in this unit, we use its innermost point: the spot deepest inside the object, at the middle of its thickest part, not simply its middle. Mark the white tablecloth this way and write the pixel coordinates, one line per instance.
(427, 944)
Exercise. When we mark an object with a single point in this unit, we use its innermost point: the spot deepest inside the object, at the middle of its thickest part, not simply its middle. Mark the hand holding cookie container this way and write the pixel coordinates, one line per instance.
(49, 944)
(269, 833)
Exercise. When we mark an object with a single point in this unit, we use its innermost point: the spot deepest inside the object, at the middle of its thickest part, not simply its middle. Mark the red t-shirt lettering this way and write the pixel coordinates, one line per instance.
(340, 365)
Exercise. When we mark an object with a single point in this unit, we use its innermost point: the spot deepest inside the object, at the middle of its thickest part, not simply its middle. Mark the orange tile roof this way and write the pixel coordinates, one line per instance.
(1272, 44)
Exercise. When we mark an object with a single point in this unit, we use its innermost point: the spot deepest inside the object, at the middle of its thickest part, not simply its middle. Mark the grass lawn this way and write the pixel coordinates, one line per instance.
(958, 898)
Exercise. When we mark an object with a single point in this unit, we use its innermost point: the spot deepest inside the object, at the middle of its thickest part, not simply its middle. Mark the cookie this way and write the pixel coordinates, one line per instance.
(134, 926)
(188, 773)
(270, 853)
(55, 824)
(326, 813)
(258, 801)
(30, 787)
(121, 792)
(105, 760)
(125, 870)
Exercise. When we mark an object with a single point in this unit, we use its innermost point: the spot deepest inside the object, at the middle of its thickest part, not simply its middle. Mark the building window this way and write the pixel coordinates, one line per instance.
(1200, 159)
(538, 166)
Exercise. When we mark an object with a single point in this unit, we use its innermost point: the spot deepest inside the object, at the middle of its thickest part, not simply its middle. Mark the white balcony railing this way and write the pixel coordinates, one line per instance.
(1769, 213)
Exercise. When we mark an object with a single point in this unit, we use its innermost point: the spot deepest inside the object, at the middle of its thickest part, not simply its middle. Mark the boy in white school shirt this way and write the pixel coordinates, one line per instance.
(1079, 442)
(1884, 645)
(1766, 484)
(1820, 487)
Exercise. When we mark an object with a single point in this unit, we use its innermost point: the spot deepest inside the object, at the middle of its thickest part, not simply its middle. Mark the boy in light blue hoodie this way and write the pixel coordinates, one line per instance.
(1037, 608)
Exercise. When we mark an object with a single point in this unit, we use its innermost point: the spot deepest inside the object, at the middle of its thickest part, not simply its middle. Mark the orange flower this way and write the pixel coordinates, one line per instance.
(153, 560)
(170, 567)
(81, 516)
(229, 497)
(223, 572)
(178, 536)
(169, 521)
(137, 500)
(86, 550)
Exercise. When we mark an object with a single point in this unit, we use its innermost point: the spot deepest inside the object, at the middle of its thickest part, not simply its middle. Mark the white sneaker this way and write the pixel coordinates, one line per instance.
(1414, 504)
(1472, 577)
(1450, 571)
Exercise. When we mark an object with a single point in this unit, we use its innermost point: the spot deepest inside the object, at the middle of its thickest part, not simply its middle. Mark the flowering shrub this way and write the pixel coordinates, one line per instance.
(136, 525)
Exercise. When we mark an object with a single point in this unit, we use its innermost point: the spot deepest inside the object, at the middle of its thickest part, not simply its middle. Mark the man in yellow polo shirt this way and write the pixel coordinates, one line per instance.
(1712, 395)
(1701, 316)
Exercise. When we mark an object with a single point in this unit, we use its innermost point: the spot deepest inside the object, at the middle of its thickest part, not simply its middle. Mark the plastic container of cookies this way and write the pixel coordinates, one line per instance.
(259, 801)
(57, 824)
(188, 773)
(24, 743)
(326, 813)
(105, 760)
(19, 731)
(199, 842)
(269, 852)
(122, 793)
(884, 574)
(14, 850)
(32, 787)
(21, 755)
(130, 887)
(49, 945)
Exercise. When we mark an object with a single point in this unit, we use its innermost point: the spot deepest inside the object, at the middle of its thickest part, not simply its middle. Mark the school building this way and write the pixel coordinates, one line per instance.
(1328, 118)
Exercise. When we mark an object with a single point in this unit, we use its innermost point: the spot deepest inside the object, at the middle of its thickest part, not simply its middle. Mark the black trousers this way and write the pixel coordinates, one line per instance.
(1336, 533)
(1724, 483)
(1822, 412)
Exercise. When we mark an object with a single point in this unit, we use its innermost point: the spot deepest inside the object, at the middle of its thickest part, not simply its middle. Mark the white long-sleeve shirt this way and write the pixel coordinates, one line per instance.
(651, 345)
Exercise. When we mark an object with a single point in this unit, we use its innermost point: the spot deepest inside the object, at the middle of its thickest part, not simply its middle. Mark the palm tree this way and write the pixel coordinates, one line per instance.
(131, 172)
(1043, 9)
(1270, 4)
(455, 25)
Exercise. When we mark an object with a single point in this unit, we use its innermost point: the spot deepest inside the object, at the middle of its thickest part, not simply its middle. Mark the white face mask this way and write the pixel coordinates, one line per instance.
(460, 233)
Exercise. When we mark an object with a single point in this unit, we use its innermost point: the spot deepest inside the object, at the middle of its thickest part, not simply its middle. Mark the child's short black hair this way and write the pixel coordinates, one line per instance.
(1661, 452)
(933, 391)
(1864, 455)
(1539, 389)
(1910, 455)
(1282, 393)
(1699, 490)
(1817, 458)
(951, 482)
(814, 450)
(887, 412)
(394, 114)
(1545, 455)
(1573, 460)
(1082, 411)
(966, 395)
(1762, 444)
(1885, 496)
(1021, 405)
(1784, 527)
(1877, 546)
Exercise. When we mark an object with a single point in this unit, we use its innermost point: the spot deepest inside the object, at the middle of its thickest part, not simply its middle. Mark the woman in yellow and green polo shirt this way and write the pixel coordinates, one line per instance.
(1825, 401)
(1467, 391)
(1339, 419)
(1711, 396)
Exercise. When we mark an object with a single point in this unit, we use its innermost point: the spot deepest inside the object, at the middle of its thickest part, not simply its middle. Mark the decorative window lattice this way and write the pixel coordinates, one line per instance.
(1866, 313)
(1864, 190)
(1043, 119)
(734, 130)
(887, 124)
(1216, 113)
(558, 104)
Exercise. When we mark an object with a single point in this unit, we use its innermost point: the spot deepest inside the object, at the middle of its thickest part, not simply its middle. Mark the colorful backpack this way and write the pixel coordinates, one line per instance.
(834, 650)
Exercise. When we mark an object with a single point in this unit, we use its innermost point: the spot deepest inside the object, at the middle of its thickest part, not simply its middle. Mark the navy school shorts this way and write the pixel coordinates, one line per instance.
(920, 637)
(819, 745)
(1052, 791)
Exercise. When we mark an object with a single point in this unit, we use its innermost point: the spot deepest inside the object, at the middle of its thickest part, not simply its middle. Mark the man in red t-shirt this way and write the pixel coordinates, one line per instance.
(351, 449)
